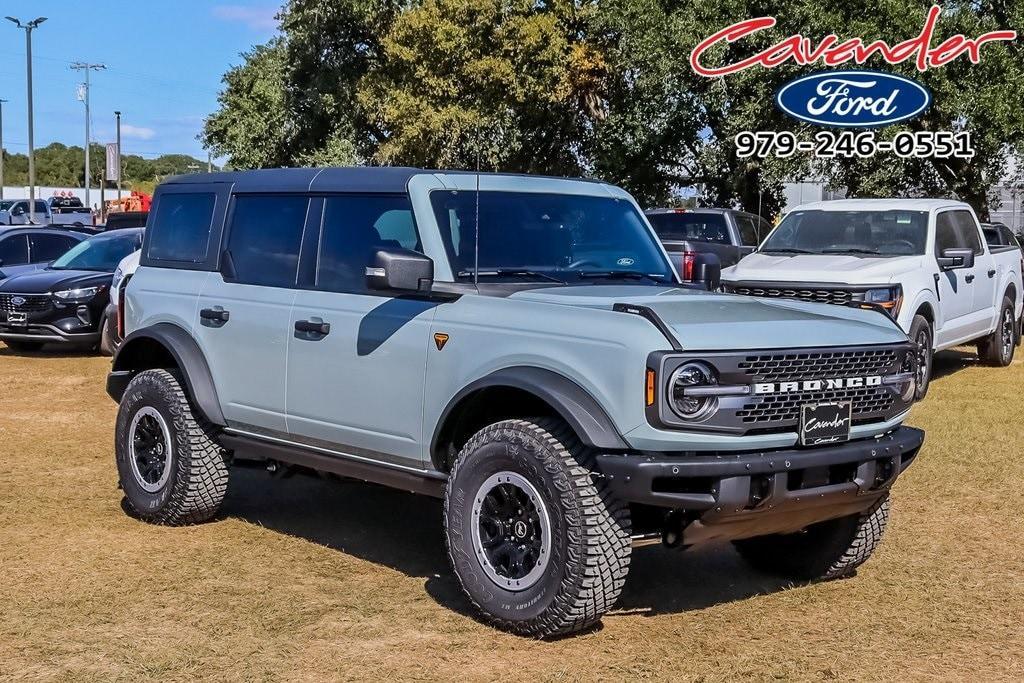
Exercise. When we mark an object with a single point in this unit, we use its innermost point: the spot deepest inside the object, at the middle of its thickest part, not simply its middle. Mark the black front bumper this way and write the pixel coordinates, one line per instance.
(738, 495)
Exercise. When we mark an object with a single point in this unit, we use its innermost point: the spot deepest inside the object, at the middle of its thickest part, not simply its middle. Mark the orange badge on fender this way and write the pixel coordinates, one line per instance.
(440, 339)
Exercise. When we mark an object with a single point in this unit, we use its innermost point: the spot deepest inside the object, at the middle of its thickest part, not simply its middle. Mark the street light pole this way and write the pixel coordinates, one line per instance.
(87, 67)
(29, 27)
(118, 115)
(2, 149)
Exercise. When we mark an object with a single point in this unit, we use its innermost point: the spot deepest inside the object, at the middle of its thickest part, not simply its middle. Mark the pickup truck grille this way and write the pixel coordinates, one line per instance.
(28, 303)
(824, 295)
(783, 367)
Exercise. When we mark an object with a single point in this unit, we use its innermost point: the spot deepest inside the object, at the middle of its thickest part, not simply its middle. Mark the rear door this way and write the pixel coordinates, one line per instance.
(356, 385)
(46, 247)
(244, 310)
(13, 254)
(983, 313)
(955, 287)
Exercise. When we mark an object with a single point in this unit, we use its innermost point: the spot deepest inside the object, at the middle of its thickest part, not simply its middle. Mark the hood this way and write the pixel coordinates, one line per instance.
(704, 321)
(837, 268)
(46, 280)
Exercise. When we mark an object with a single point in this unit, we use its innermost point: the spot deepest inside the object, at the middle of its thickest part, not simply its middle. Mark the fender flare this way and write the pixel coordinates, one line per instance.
(571, 401)
(927, 297)
(187, 355)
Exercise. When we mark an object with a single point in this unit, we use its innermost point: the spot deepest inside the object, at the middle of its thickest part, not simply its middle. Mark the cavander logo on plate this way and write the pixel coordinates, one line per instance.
(853, 99)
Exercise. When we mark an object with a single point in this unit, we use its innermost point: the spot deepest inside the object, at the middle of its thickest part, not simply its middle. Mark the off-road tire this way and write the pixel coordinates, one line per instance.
(25, 346)
(106, 345)
(993, 350)
(822, 552)
(198, 478)
(590, 531)
(921, 329)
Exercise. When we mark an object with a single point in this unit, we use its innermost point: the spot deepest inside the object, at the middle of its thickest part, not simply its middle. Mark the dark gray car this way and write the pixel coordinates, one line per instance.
(25, 249)
(730, 235)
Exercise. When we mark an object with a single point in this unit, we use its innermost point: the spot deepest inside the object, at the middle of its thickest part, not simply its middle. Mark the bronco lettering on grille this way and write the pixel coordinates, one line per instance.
(817, 384)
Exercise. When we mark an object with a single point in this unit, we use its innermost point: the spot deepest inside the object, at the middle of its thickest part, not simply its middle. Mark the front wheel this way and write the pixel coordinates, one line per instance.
(170, 467)
(997, 348)
(921, 335)
(827, 550)
(538, 547)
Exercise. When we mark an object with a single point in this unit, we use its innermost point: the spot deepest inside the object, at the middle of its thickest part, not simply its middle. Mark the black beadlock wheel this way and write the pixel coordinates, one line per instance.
(538, 545)
(998, 348)
(171, 469)
(828, 550)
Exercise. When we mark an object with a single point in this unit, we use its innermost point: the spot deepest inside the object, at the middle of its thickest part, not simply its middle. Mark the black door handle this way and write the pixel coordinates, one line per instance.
(992, 273)
(313, 327)
(968, 278)
(215, 314)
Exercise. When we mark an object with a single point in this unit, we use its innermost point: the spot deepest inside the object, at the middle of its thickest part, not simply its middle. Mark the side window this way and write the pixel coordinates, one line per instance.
(181, 227)
(748, 231)
(946, 236)
(353, 227)
(969, 231)
(14, 251)
(265, 237)
(45, 248)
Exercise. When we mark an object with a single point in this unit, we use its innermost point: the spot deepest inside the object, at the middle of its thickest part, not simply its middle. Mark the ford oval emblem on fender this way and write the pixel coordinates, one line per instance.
(855, 99)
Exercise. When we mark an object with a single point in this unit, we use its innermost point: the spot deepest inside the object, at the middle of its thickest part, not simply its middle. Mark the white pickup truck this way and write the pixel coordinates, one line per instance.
(924, 261)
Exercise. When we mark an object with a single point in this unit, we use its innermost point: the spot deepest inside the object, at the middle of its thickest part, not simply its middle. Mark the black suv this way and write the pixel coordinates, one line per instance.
(64, 302)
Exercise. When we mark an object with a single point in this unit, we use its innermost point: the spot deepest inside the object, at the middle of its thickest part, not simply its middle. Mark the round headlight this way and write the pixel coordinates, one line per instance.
(686, 405)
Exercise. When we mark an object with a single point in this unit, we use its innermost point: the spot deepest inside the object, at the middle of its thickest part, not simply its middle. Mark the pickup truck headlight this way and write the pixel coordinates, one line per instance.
(77, 295)
(684, 401)
(889, 298)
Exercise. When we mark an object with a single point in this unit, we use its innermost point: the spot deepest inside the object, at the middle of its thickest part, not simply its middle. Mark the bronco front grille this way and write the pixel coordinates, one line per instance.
(795, 366)
(824, 295)
(24, 303)
(866, 401)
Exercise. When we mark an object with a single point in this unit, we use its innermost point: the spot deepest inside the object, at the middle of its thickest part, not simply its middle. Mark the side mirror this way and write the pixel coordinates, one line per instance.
(707, 268)
(400, 269)
(953, 259)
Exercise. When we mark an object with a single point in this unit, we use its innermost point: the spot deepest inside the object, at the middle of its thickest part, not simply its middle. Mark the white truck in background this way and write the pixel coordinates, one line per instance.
(924, 261)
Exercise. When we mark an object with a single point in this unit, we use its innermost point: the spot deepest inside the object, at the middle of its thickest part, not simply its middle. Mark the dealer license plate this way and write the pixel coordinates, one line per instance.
(822, 423)
(17, 318)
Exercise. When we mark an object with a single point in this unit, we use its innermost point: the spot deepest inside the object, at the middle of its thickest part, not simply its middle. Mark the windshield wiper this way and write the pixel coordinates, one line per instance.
(512, 272)
(785, 250)
(852, 250)
(619, 274)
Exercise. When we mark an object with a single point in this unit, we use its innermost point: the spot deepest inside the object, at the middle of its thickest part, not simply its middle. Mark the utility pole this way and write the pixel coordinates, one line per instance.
(87, 67)
(29, 27)
(119, 167)
(209, 164)
(2, 149)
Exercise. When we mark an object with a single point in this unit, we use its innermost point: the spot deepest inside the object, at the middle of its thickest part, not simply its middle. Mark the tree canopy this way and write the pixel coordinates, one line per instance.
(605, 88)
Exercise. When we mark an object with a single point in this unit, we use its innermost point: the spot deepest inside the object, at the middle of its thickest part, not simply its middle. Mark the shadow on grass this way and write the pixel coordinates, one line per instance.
(946, 363)
(404, 532)
(50, 351)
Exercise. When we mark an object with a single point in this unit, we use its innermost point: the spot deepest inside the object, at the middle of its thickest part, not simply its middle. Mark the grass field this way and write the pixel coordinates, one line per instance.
(309, 579)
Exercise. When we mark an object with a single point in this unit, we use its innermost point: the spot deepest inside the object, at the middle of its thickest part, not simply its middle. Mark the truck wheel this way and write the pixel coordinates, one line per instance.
(171, 469)
(823, 551)
(921, 335)
(997, 348)
(537, 543)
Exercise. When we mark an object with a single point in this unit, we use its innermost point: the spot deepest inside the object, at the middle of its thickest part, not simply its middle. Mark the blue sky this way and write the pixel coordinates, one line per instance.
(164, 63)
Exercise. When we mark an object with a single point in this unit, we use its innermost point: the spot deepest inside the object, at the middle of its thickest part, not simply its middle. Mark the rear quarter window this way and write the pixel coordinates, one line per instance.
(180, 229)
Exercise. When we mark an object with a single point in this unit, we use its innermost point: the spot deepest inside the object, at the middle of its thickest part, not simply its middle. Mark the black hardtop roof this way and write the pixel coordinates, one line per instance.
(389, 179)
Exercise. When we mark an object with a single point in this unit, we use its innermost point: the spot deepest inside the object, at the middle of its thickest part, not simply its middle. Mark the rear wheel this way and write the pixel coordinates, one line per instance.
(24, 345)
(170, 467)
(823, 551)
(539, 547)
(997, 348)
(921, 335)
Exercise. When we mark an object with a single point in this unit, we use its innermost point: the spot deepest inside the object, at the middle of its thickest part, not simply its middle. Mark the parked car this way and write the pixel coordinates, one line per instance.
(519, 346)
(999, 235)
(17, 213)
(126, 219)
(922, 260)
(25, 249)
(730, 235)
(69, 211)
(64, 302)
(112, 334)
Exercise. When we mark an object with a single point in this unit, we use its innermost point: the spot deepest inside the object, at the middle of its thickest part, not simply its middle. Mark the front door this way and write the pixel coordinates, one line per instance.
(245, 310)
(955, 287)
(356, 359)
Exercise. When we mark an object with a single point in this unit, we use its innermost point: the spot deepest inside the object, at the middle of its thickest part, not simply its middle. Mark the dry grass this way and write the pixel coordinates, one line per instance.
(309, 579)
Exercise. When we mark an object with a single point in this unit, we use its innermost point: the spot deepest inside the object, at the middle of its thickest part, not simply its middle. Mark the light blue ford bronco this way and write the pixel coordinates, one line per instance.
(518, 346)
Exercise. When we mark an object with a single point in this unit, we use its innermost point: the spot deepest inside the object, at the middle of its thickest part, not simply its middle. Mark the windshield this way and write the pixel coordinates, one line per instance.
(870, 233)
(549, 237)
(4, 205)
(99, 253)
